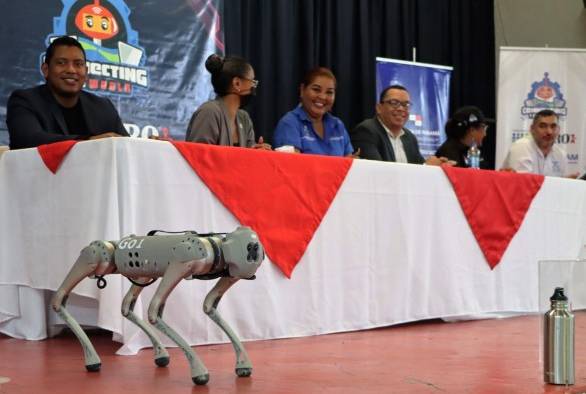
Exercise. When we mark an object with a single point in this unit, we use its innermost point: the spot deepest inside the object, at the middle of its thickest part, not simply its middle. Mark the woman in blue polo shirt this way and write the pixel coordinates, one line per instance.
(310, 128)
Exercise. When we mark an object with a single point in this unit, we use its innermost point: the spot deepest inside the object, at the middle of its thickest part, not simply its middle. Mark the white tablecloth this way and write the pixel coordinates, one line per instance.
(394, 247)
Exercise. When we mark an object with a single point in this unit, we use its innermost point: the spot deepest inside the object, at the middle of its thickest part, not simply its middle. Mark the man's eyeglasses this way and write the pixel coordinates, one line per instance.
(253, 81)
(395, 104)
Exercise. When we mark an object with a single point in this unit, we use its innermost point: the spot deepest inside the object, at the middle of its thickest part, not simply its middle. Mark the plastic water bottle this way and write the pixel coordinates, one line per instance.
(558, 341)
(473, 157)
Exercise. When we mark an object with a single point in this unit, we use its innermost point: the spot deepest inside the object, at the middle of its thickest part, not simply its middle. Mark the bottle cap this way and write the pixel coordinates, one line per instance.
(558, 295)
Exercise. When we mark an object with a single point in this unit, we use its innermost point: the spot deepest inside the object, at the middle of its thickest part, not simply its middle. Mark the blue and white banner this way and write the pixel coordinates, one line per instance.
(146, 57)
(429, 89)
(532, 79)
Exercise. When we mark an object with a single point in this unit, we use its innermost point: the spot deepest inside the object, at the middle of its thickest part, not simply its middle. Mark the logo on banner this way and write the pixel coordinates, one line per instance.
(115, 58)
(417, 119)
(544, 94)
(566, 138)
(573, 158)
(147, 131)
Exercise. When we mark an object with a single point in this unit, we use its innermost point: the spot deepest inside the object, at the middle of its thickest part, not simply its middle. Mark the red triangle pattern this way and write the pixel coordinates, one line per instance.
(495, 204)
(282, 196)
(53, 154)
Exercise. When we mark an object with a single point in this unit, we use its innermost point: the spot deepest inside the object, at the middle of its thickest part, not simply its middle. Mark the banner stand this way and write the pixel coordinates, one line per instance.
(532, 79)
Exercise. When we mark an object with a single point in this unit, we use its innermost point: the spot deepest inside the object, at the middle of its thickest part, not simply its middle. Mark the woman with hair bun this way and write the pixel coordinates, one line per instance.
(222, 121)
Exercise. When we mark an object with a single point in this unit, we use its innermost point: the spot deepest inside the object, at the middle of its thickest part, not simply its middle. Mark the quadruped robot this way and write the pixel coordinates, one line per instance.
(172, 257)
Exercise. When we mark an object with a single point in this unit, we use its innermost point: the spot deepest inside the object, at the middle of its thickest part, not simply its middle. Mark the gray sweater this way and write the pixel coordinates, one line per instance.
(210, 125)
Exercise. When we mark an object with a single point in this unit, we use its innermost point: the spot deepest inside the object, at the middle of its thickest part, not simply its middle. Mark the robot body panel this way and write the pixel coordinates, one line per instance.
(150, 256)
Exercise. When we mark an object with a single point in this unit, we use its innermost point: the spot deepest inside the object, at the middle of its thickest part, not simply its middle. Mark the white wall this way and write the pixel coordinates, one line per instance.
(539, 23)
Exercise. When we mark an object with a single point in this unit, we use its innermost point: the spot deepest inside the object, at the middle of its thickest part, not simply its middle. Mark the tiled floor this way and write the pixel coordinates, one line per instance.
(483, 356)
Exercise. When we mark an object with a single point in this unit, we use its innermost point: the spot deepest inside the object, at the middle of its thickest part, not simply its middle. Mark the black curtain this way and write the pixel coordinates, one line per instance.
(284, 38)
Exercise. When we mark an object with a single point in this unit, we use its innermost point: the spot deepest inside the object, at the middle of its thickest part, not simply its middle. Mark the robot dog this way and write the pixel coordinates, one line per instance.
(144, 259)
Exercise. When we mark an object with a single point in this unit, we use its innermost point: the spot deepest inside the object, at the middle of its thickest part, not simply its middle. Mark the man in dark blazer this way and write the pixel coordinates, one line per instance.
(385, 137)
(60, 110)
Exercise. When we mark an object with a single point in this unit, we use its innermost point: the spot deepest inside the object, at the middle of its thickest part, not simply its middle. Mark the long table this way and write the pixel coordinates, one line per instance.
(393, 247)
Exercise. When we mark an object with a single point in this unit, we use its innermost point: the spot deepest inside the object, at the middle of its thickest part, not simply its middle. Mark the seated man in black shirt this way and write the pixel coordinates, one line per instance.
(59, 110)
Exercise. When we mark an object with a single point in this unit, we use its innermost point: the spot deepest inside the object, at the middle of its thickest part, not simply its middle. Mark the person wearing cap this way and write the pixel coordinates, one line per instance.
(385, 137)
(466, 128)
(537, 152)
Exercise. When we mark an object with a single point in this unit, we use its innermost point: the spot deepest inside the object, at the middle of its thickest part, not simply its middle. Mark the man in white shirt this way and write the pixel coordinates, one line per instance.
(537, 152)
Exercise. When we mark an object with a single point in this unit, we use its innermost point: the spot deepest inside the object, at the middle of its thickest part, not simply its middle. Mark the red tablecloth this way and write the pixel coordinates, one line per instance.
(494, 203)
(282, 196)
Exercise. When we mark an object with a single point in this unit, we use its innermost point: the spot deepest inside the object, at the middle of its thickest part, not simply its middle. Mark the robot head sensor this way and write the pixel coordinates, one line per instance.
(243, 253)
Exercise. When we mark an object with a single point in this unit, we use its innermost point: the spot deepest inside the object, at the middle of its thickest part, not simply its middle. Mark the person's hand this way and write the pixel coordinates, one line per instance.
(355, 155)
(438, 161)
(160, 138)
(575, 175)
(261, 144)
(104, 135)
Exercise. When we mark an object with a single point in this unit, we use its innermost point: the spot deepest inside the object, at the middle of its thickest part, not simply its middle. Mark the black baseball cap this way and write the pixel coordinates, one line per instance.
(469, 115)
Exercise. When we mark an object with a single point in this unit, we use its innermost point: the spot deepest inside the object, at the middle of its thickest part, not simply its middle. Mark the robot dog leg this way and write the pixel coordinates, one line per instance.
(94, 259)
(242, 256)
(161, 355)
(243, 365)
(173, 275)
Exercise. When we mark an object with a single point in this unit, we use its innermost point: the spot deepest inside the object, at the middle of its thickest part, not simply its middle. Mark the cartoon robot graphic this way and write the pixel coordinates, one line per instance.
(103, 29)
(96, 22)
(116, 61)
(545, 94)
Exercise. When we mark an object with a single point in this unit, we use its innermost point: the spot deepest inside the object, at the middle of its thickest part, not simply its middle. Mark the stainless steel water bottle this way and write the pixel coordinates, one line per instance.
(558, 335)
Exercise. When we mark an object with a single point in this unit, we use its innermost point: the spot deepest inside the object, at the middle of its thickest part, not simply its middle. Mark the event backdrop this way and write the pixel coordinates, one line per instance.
(147, 57)
(532, 79)
(429, 87)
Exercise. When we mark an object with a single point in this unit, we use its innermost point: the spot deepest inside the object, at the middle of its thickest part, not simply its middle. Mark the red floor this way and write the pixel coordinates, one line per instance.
(485, 356)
